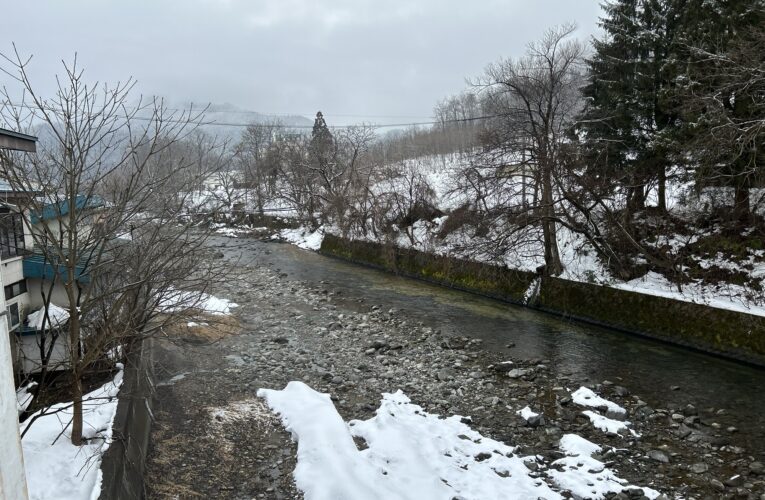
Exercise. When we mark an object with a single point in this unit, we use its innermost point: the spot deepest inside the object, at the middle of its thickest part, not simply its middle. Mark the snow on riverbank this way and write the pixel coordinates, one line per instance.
(408, 453)
(177, 300)
(303, 238)
(586, 397)
(55, 468)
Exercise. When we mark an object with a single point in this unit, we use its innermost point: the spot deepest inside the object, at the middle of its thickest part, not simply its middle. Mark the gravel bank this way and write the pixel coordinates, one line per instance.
(214, 439)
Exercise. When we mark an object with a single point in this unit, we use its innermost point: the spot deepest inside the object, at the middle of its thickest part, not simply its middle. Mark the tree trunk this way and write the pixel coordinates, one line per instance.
(662, 189)
(76, 388)
(553, 265)
(741, 202)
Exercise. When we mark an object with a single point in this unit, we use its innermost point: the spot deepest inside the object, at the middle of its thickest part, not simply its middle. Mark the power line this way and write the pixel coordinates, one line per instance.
(277, 125)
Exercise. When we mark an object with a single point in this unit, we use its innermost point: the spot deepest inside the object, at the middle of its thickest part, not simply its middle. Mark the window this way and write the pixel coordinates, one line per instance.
(11, 234)
(13, 316)
(15, 289)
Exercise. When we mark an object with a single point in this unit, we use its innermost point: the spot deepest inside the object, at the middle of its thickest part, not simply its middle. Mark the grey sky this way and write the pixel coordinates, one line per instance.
(345, 57)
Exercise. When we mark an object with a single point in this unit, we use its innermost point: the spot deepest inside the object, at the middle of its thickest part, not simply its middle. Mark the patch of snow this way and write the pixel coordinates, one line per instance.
(608, 425)
(568, 472)
(412, 454)
(586, 397)
(59, 469)
(728, 296)
(526, 413)
(232, 232)
(532, 291)
(177, 300)
(216, 305)
(303, 238)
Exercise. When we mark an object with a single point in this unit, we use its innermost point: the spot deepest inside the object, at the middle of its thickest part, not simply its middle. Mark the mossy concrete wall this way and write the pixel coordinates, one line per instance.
(732, 334)
(491, 281)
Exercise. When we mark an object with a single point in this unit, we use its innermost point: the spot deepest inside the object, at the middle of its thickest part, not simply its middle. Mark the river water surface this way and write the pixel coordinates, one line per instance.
(663, 375)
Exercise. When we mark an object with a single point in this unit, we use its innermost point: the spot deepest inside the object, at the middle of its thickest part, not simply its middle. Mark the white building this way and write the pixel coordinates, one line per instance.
(12, 481)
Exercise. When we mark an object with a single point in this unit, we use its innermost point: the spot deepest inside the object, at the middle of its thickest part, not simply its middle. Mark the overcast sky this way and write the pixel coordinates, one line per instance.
(371, 58)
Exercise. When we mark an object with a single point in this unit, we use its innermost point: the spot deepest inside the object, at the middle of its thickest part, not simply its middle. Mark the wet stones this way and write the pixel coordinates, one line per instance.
(356, 353)
(658, 456)
(699, 468)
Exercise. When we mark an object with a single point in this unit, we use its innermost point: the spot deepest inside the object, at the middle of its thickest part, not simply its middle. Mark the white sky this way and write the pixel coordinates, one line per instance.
(346, 57)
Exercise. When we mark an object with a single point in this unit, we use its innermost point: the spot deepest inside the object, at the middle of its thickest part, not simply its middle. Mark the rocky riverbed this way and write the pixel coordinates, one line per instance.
(213, 437)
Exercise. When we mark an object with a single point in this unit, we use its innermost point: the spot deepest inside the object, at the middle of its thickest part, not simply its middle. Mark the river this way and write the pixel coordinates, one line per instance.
(663, 375)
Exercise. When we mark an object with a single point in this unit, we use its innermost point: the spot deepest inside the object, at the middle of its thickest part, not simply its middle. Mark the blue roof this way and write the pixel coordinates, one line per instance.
(56, 210)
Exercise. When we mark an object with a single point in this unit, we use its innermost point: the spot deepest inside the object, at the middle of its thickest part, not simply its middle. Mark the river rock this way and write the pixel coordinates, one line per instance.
(658, 456)
(699, 468)
(757, 468)
(517, 372)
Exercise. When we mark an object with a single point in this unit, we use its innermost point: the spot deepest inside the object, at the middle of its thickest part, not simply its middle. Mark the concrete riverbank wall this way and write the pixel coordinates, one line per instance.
(731, 334)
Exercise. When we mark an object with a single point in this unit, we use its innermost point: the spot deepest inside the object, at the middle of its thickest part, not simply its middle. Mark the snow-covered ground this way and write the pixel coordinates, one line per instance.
(408, 453)
(302, 237)
(55, 468)
(180, 300)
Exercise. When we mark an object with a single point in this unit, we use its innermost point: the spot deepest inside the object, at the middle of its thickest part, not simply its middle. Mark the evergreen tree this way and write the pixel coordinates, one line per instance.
(627, 118)
(722, 95)
(322, 147)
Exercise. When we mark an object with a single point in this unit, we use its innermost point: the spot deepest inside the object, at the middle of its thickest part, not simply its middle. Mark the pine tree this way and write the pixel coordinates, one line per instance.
(720, 47)
(322, 148)
(627, 118)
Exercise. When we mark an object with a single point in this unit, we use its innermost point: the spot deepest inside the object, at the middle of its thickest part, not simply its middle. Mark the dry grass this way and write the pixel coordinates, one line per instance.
(204, 327)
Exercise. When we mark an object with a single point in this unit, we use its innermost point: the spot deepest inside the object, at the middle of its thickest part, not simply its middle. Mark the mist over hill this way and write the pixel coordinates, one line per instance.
(229, 121)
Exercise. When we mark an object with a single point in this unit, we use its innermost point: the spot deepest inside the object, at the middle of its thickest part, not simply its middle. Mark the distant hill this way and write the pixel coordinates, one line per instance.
(224, 120)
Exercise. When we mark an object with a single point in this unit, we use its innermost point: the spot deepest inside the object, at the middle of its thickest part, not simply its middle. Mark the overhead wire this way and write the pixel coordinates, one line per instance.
(286, 126)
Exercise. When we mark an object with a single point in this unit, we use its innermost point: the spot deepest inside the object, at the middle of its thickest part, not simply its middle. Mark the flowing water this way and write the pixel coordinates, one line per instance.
(648, 368)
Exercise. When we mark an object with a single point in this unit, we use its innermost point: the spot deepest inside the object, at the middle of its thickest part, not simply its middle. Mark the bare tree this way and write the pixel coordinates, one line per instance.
(255, 157)
(111, 189)
(536, 98)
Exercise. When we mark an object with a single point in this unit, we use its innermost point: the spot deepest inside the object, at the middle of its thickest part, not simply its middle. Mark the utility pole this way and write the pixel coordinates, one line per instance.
(13, 484)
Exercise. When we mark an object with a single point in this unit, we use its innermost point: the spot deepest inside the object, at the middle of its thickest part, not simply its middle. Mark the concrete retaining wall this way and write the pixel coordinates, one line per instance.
(736, 335)
(124, 462)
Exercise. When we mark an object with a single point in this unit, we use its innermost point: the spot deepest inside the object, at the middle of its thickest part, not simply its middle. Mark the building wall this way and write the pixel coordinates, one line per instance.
(12, 482)
(12, 479)
(29, 352)
(36, 287)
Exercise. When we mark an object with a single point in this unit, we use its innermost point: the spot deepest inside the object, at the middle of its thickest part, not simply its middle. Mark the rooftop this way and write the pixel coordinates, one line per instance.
(17, 141)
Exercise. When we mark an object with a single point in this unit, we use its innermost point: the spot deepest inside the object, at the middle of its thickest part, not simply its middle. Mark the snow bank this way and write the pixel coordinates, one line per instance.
(61, 470)
(408, 453)
(723, 296)
(302, 237)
